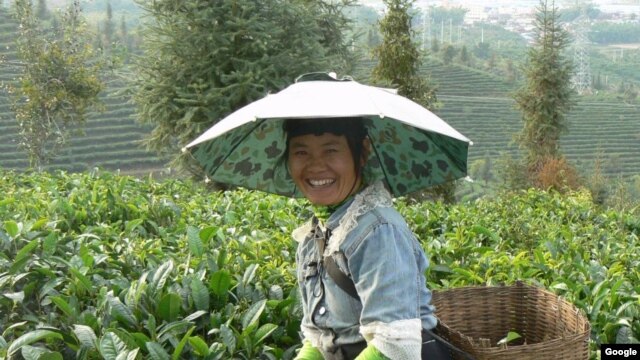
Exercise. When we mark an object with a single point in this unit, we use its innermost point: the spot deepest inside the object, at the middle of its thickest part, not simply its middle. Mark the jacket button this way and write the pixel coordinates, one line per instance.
(322, 310)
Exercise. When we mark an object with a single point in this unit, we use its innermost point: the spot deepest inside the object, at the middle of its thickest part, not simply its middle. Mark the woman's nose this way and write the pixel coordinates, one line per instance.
(315, 163)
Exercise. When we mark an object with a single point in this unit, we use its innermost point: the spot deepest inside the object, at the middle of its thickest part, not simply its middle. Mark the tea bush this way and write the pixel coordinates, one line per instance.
(102, 266)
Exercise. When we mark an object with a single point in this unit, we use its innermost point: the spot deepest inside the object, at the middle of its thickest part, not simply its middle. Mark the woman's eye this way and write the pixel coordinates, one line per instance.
(300, 153)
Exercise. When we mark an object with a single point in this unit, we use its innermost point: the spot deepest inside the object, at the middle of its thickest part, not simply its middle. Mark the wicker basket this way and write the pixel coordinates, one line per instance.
(476, 318)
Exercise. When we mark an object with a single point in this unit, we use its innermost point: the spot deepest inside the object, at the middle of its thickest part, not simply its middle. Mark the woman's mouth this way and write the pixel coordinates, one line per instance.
(321, 182)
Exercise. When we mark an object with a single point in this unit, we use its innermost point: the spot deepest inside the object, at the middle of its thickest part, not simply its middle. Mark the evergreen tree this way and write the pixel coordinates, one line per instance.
(448, 52)
(203, 60)
(108, 29)
(59, 83)
(547, 96)
(398, 55)
(399, 65)
(464, 56)
(435, 45)
(42, 12)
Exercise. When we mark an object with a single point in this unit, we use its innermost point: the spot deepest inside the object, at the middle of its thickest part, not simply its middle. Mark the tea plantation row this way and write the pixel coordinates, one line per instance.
(101, 266)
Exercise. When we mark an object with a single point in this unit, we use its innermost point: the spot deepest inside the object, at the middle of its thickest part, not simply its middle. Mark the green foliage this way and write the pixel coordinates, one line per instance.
(398, 65)
(59, 83)
(547, 96)
(203, 60)
(398, 56)
(97, 265)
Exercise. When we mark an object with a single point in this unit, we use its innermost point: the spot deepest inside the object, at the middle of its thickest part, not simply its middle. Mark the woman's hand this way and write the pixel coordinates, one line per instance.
(309, 352)
(371, 353)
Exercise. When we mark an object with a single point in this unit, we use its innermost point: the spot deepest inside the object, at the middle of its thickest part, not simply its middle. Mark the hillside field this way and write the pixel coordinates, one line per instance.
(476, 103)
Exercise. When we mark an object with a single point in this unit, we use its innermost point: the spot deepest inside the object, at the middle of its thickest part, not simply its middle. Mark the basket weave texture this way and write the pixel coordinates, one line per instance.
(475, 318)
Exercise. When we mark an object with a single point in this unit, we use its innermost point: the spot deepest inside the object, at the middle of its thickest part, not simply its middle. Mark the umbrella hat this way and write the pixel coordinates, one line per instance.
(412, 148)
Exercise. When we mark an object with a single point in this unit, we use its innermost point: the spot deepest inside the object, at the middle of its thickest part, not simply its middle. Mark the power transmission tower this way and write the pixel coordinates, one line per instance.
(426, 28)
(581, 80)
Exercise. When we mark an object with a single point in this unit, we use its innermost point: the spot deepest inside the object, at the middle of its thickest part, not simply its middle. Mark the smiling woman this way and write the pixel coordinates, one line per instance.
(355, 235)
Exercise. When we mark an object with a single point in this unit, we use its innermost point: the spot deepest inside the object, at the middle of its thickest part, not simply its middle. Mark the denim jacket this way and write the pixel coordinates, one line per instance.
(373, 245)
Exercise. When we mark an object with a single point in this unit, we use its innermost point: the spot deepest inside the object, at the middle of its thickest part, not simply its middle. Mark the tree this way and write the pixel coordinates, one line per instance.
(435, 45)
(398, 55)
(203, 60)
(58, 85)
(448, 53)
(465, 57)
(42, 10)
(109, 27)
(547, 96)
(398, 65)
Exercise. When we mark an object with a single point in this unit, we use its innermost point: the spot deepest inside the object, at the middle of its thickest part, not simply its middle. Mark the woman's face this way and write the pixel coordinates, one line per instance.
(322, 167)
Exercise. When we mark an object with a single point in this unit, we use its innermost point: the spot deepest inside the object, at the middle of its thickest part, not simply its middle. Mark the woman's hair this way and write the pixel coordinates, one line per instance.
(352, 128)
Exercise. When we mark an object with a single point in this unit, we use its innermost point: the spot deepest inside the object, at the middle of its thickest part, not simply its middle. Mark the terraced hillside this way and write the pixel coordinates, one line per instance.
(607, 131)
(476, 103)
(481, 106)
(111, 138)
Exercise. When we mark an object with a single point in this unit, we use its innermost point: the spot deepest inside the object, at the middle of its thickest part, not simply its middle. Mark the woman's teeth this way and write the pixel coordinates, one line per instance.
(321, 182)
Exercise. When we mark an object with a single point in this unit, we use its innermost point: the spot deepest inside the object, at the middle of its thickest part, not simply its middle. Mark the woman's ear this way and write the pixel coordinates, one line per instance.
(366, 150)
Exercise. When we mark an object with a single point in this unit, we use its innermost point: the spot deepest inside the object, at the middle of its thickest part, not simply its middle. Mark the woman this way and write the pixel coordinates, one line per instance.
(355, 232)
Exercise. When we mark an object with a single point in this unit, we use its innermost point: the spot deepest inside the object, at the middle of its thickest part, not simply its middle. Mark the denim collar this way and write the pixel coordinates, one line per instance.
(334, 219)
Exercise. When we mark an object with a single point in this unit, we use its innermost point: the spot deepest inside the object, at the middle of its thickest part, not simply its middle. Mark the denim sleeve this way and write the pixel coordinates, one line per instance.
(387, 265)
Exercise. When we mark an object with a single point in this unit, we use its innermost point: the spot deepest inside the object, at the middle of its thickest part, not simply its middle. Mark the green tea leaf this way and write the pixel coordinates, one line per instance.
(199, 346)
(23, 255)
(169, 307)
(263, 332)
(50, 244)
(12, 229)
(131, 225)
(38, 225)
(82, 280)
(166, 331)
(129, 355)
(468, 275)
(249, 274)
(160, 277)
(624, 335)
(121, 312)
(207, 233)
(111, 345)
(220, 282)
(512, 335)
(228, 338)
(85, 335)
(200, 294)
(157, 352)
(276, 292)
(62, 304)
(16, 296)
(178, 350)
(30, 338)
(195, 315)
(195, 243)
(252, 315)
(36, 353)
